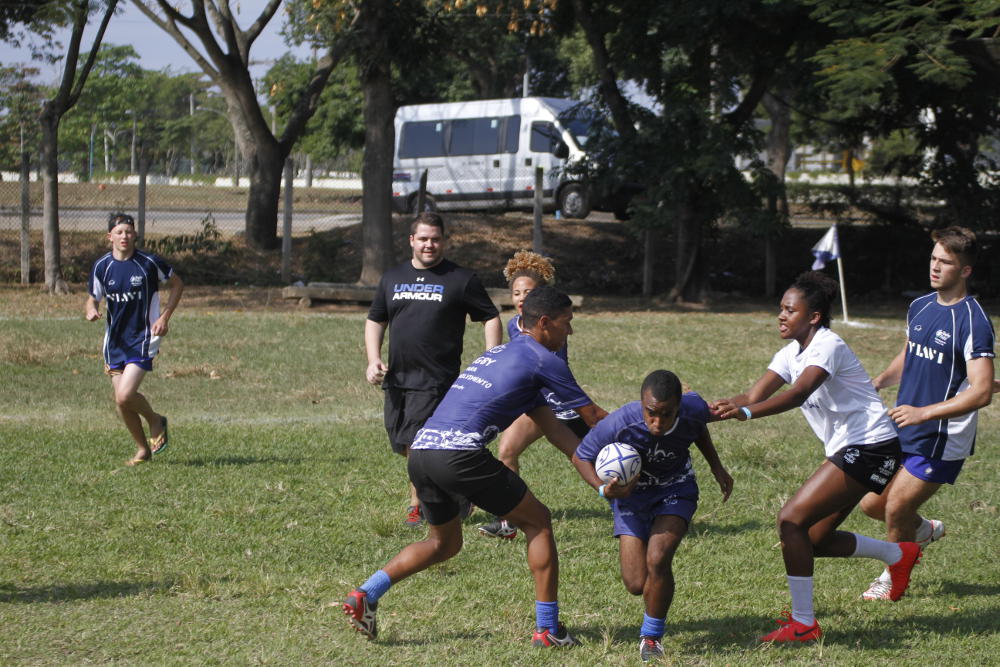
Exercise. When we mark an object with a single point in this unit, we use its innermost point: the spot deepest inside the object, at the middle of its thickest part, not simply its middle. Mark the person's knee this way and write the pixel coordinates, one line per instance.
(634, 584)
(659, 559)
(789, 523)
(539, 519)
(873, 506)
(124, 396)
(446, 546)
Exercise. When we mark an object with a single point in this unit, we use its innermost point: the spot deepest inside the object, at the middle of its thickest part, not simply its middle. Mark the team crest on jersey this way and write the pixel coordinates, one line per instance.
(941, 337)
(851, 455)
(111, 282)
(136, 281)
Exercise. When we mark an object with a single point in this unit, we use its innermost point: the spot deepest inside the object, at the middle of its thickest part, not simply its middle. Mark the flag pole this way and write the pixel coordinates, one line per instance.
(843, 293)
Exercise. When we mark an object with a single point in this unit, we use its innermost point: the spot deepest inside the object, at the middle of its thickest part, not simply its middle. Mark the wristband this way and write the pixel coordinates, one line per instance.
(745, 410)
(600, 491)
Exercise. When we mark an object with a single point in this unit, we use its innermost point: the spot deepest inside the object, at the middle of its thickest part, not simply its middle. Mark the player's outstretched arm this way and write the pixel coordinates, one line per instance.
(978, 395)
(726, 408)
(892, 373)
(809, 381)
(92, 312)
(707, 448)
(176, 287)
(589, 475)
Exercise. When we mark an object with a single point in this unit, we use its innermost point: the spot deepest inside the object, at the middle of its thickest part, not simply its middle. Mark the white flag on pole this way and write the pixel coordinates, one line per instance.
(827, 249)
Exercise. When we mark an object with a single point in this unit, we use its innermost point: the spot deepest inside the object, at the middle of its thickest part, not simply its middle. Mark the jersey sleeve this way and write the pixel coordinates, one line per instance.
(826, 353)
(779, 365)
(557, 378)
(94, 285)
(695, 407)
(981, 338)
(478, 303)
(163, 270)
(378, 312)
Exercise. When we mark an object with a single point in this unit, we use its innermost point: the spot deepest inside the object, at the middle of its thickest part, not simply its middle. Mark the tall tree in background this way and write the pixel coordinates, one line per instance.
(74, 76)
(226, 59)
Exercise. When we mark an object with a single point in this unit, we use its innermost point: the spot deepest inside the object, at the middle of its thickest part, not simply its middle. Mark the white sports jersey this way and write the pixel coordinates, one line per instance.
(845, 409)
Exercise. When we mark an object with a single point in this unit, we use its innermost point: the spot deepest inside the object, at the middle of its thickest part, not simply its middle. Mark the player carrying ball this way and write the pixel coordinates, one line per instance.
(841, 405)
(652, 512)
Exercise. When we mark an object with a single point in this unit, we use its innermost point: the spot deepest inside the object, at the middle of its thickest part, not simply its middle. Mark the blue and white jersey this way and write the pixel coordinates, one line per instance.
(558, 408)
(130, 289)
(499, 386)
(940, 340)
(666, 459)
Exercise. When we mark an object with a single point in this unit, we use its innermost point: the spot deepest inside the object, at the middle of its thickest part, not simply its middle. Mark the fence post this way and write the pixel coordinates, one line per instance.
(25, 218)
(141, 204)
(536, 233)
(422, 193)
(286, 227)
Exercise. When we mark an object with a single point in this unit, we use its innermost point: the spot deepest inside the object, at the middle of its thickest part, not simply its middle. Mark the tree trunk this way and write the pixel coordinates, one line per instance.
(779, 150)
(380, 135)
(49, 121)
(689, 265)
(265, 162)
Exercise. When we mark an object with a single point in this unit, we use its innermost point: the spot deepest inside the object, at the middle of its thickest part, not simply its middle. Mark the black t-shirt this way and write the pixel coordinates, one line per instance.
(426, 310)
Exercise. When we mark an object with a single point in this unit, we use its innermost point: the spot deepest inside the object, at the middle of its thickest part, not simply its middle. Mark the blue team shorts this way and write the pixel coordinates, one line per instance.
(932, 470)
(634, 515)
(146, 364)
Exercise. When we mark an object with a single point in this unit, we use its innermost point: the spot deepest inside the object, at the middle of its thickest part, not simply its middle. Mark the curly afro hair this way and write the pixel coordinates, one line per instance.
(530, 264)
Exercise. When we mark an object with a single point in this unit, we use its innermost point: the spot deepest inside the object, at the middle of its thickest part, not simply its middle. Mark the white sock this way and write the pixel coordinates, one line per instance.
(885, 577)
(801, 589)
(869, 547)
(924, 531)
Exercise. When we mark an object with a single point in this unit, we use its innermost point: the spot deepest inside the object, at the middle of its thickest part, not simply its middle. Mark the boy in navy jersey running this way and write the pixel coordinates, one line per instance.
(945, 374)
(652, 513)
(129, 282)
(449, 461)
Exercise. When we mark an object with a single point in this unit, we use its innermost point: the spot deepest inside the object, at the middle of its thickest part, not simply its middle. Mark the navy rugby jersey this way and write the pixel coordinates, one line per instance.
(666, 458)
(495, 389)
(130, 289)
(940, 340)
(558, 409)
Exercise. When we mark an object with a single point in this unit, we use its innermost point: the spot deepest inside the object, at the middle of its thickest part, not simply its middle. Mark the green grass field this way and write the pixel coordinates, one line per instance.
(278, 494)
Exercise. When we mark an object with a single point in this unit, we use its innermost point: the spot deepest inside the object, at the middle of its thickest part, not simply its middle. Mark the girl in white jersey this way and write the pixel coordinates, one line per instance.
(862, 453)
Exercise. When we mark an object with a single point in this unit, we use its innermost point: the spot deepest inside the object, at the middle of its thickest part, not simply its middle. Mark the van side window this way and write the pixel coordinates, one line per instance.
(422, 139)
(544, 137)
(512, 140)
(475, 136)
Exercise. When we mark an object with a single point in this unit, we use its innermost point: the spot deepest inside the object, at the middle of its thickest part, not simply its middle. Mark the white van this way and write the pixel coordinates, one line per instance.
(483, 154)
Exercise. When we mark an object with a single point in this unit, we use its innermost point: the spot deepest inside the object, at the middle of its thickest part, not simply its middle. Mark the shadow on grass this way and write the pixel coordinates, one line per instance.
(90, 591)
(234, 461)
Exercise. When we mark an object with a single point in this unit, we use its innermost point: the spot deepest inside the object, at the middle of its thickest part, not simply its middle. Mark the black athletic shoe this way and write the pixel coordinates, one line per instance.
(498, 528)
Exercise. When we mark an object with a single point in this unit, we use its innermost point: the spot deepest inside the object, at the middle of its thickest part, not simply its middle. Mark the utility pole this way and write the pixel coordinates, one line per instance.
(191, 105)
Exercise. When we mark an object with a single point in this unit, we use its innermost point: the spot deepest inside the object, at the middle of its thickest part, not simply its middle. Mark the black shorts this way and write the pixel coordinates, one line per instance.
(405, 412)
(871, 465)
(442, 476)
(577, 425)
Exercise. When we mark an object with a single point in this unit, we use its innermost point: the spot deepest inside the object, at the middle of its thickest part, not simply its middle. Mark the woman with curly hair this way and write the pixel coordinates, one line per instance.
(524, 272)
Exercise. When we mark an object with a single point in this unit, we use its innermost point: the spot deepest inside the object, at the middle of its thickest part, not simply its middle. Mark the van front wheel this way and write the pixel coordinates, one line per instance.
(429, 204)
(574, 202)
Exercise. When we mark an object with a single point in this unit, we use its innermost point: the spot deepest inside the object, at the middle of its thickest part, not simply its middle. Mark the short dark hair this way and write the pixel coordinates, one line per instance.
(427, 218)
(663, 385)
(959, 241)
(545, 300)
(819, 291)
(119, 218)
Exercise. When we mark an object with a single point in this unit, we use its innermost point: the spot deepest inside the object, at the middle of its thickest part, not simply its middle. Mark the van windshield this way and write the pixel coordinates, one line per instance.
(579, 120)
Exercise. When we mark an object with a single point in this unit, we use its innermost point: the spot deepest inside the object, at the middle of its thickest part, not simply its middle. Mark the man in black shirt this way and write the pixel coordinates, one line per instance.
(425, 300)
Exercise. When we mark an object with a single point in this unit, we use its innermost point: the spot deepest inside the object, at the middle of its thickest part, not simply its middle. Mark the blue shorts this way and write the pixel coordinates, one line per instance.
(145, 364)
(634, 515)
(932, 470)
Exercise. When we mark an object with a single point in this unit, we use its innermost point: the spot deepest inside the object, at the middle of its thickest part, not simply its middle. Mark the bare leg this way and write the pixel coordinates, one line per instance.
(647, 568)
(414, 501)
(534, 519)
(442, 543)
(515, 439)
(905, 497)
(132, 406)
(556, 432)
(810, 518)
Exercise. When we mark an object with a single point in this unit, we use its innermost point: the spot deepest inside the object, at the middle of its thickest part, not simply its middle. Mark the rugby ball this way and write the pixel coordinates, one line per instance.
(618, 460)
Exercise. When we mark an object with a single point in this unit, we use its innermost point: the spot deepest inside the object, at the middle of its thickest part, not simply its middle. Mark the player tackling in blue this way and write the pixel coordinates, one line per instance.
(653, 511)
(449, 461)
(129, 281)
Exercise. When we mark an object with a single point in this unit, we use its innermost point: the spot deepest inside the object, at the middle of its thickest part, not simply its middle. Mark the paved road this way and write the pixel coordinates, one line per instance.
(180, 222)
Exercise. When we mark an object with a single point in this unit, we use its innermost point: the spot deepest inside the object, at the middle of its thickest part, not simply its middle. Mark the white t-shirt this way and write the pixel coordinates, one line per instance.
(845, 409)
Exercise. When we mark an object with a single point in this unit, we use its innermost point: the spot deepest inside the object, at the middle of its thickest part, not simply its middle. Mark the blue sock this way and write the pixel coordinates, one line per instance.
(547, 615)
(652, 627)
(376, 586)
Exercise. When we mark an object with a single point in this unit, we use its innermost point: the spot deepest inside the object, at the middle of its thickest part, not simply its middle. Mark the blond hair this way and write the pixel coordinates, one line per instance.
(530, 264)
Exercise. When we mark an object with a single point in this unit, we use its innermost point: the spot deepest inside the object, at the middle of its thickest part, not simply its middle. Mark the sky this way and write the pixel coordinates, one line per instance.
(157, 50)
